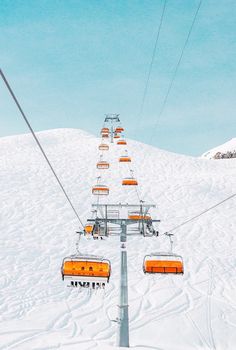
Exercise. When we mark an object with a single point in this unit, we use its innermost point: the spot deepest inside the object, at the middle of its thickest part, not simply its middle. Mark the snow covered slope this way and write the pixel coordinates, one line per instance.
(229, 146)
(38, 312)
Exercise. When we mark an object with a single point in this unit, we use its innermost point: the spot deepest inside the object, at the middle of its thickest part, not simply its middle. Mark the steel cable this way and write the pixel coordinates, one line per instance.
(200, 214)
(175, 71)
(40, 146)
(150, 66)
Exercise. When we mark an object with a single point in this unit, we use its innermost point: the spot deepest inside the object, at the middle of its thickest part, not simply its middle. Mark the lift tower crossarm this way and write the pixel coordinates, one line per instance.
(121, 221)
(113, 117)
(120, 205)
(143, 208)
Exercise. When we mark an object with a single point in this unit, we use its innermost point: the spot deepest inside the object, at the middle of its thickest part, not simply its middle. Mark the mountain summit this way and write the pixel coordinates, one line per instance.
(226, 150)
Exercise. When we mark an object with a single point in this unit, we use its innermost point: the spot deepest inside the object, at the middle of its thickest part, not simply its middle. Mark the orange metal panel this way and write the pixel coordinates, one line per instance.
(129, 182)
(124, 159)
(86, 268)
(163, 266)
(88, 228)
(119, 129)
(101, 190)
(139, 217)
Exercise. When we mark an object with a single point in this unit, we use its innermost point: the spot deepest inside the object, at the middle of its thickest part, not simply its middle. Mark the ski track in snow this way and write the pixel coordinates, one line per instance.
(38, 312)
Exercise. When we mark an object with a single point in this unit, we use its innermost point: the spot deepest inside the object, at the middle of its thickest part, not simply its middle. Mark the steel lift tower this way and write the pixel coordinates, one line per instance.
(112, 216)
(112, 118)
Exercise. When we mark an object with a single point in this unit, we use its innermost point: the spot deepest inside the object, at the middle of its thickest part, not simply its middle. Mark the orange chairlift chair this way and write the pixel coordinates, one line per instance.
(88, 228)
(105, 130)
(163, 263)
(102, 164)
(86, 271)
(124, 159)
(122, 142)
(103, 147)
(100, 190)
(119, 129)
(129, 181)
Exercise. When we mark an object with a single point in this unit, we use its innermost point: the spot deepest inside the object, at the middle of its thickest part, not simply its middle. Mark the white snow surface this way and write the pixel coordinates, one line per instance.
(229, 146)
(37, 310)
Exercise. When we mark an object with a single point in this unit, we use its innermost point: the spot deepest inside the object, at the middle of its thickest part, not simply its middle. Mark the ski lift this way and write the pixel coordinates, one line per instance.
(124, 159)
(144, 221)
(103, 147)
(99, 231)
(100, 190)
(102, 164)
(163, 263)
(88, 228)
(122, 142)
(105, 135)
(129, 181)
(119, 129)
(105, 130)
(86, 271)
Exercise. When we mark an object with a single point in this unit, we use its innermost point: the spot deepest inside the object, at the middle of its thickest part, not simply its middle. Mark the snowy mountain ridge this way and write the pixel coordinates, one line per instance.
(226, 150)
(38, 312)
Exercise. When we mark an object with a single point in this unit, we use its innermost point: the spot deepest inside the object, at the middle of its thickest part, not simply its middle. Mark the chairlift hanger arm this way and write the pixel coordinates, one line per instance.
(112, 117)
(198, 215)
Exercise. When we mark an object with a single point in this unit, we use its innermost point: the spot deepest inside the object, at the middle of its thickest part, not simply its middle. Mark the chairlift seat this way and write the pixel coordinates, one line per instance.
(103, 165)
(124, 159)
(100, 190)
(103, 147)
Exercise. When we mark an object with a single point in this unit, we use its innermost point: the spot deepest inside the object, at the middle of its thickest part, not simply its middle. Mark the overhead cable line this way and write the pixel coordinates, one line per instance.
(39, 145)
(136, 189)
(175, 71)
(151, 65)
(200, 214)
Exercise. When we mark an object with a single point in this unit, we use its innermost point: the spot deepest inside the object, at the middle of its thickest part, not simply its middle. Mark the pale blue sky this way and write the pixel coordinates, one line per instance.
(70, 62)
